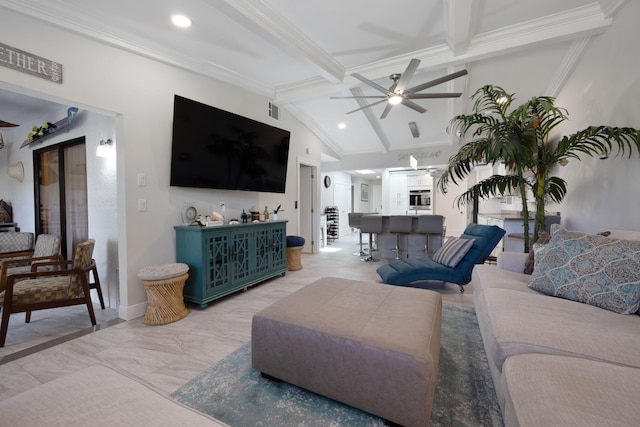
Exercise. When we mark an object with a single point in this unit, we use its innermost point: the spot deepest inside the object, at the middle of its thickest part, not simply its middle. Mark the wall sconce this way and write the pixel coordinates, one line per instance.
(16, 171)
(563, 162)
(104, 148)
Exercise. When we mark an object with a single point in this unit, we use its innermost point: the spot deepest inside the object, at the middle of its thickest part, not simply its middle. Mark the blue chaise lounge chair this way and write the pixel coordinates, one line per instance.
(405, 271)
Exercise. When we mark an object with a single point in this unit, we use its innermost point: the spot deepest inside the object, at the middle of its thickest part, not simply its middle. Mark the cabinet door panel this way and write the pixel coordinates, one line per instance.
(218, 269)
(240, 255)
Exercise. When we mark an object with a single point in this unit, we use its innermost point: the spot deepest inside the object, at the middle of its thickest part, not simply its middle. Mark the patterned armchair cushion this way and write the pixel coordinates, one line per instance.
(591, 269)
(16, 241)
(47, 245)
(43, 289)
(82, 259)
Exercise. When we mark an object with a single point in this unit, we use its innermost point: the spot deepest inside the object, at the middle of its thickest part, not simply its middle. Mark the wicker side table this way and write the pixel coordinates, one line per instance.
(164, 284)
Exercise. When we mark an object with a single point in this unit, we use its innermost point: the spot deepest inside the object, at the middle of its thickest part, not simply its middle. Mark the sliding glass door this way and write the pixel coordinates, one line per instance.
(61, 193)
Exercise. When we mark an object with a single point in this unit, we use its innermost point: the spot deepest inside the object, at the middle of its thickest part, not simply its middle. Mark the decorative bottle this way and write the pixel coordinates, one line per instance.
(243, 217)
(266, 213)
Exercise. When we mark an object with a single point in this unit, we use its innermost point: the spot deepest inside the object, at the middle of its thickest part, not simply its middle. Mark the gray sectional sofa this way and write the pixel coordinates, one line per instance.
(554, 361)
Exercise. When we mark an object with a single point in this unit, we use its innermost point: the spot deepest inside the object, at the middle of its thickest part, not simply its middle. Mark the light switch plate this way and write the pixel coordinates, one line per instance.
(142, 179)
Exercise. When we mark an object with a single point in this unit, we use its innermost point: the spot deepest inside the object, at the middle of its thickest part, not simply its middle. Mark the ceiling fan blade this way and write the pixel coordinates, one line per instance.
(386, 111)
(437, 81)
(433, 95)
(357, 97)
(370, 83)
(413, 106)
(4, 124)
(405, 77)
(367, 106)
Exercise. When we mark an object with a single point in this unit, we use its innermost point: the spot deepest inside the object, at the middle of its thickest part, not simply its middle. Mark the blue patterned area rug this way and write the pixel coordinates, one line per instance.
(234, 393)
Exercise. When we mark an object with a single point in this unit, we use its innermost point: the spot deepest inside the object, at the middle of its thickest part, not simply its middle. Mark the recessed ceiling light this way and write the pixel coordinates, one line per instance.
(365, 171)
(342, 125)
(181, 21)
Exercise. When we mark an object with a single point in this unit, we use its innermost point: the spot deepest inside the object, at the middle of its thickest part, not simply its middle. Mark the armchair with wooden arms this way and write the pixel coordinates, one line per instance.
(63, 283)
(47, 248)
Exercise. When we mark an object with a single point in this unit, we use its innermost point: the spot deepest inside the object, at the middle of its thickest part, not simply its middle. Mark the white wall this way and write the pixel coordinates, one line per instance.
(140, 93)
(604, 90)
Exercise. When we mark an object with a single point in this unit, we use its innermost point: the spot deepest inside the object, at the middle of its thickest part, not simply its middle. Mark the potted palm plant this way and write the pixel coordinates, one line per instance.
(522, 138)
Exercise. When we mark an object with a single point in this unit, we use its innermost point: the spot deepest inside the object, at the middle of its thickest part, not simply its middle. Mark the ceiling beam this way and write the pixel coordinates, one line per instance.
(459, 19)
(289, 37)
(576, 23)
(372, 119)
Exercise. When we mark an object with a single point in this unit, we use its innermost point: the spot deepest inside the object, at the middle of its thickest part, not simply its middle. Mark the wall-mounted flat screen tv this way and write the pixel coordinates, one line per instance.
(213, 148)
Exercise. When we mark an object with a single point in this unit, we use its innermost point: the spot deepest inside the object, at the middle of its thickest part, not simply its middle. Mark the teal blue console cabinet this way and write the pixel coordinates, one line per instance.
(227, 258)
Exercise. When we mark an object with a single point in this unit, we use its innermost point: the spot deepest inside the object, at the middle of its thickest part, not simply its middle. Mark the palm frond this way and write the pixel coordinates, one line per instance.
(495, 185)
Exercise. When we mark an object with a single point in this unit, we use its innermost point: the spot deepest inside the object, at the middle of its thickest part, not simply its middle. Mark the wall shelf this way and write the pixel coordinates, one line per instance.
(61, 124)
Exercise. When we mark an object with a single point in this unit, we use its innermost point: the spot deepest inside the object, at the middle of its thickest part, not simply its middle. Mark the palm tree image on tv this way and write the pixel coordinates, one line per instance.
(524, 140)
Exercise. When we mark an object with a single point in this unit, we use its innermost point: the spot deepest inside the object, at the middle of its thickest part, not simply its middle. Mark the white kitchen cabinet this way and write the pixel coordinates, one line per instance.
(423, 180)
(398, 194)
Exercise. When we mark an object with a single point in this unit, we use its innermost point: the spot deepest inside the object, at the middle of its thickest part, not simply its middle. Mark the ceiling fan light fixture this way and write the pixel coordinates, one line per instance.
(181, 21)
(395, 99)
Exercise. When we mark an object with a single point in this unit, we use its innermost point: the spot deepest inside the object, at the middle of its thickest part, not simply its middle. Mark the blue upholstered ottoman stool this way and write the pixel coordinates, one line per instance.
(294, 251)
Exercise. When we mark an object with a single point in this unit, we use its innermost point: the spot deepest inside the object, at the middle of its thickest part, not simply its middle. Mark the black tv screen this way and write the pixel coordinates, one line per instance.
(213, 148)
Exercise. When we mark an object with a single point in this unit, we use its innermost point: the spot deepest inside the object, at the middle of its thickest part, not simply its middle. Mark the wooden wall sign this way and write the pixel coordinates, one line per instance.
(28, 63)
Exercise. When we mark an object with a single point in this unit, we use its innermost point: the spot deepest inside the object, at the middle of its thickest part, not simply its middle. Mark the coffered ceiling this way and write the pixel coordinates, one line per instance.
(301, 53)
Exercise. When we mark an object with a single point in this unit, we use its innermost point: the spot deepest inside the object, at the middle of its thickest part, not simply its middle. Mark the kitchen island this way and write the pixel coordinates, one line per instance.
(412, 245)
(513, 224)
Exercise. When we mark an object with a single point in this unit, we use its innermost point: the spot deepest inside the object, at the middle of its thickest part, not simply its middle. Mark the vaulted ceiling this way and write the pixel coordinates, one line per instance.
(302, 53)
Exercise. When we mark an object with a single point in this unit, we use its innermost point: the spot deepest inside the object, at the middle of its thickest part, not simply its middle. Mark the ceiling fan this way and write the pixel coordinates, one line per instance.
(397, 94)
(4, 124)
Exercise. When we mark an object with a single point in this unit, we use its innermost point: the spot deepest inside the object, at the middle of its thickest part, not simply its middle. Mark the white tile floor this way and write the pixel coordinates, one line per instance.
(168, 356)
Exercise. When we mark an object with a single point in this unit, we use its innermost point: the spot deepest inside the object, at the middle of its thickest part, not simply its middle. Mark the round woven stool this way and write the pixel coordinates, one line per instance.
(164, 284)
(294, 251)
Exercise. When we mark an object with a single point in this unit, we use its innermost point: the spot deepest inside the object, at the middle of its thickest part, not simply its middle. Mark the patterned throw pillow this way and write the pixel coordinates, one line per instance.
(591, 269)
(452, 252)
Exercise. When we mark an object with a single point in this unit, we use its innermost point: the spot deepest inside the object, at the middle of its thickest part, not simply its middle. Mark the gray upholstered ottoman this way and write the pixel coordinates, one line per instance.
(369, 345)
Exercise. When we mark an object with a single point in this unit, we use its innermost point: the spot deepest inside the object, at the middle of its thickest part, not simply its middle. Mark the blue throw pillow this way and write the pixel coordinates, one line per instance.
(591, 269)
(452, 252)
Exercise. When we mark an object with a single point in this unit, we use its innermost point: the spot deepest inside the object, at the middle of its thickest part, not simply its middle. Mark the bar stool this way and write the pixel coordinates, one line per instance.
(354, 222)
(430, 225)
(371, 224)
(400, 224)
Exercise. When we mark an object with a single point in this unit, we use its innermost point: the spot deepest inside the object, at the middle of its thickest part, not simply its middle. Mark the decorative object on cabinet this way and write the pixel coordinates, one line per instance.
(16, 171)
(521, 139)
(40, 133)
(228, 258)
(189, 214)
(333, 223)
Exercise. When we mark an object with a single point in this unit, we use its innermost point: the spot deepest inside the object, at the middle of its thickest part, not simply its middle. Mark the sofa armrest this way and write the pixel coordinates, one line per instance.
(512, 261)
